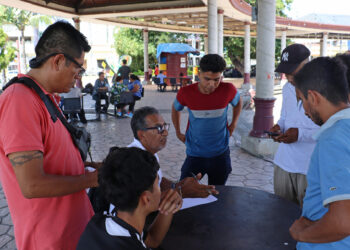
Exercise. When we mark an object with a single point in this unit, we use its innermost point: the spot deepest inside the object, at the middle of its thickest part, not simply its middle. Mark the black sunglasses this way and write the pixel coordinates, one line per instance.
(160, 128)
(34, 63)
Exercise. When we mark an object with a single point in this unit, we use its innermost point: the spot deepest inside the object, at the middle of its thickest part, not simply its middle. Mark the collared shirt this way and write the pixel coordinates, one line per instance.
(137, 144)
(110, 232)
(295, 157)
(329, 174)
(40, 223)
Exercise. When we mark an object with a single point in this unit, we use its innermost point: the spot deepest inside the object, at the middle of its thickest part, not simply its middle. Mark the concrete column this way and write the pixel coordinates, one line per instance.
(76, 22)
(283, 46)
(264, 100)
(206, 49)
(283, 40)
(145, 54)
(194, 63)
(221, 32)
(246, 53)
(212, 27)
(323, 46)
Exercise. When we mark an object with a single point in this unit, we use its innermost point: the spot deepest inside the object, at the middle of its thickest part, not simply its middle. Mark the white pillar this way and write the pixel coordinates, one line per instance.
(206, 44)
(212, 27)
(246, 53)
(145, 54)
(323, 51)
(283, 40)
(221, 32)
(76, 22)
(265, 54)
(265, 58)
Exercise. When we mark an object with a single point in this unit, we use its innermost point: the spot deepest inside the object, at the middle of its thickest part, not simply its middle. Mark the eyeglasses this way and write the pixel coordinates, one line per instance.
(37, 63)
(82, 70)
(160, 128)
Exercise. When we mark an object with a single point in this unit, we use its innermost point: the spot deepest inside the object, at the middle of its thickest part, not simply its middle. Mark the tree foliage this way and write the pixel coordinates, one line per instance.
(7, 51)
(19, 18)
(130, 42)
(234, 46)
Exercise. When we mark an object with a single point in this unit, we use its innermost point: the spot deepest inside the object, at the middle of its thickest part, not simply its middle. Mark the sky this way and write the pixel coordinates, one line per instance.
(302, 8)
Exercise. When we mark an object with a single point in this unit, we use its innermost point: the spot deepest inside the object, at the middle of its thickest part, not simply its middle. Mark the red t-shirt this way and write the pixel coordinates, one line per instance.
(26, 125)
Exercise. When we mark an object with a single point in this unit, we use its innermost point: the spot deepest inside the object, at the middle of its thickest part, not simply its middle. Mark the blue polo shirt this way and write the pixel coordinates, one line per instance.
(328, 177)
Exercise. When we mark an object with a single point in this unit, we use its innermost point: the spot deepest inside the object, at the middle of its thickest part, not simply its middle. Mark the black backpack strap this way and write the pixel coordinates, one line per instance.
(31, 84)
(51, 107)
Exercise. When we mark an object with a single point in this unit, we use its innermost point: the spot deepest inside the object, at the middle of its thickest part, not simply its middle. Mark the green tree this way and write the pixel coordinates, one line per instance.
(35, 21)
(130, 42)
(234, 46)
(7, 53)
(19, 18)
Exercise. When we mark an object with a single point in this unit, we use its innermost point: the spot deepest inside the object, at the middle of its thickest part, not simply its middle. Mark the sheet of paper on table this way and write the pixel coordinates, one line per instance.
(192, 202)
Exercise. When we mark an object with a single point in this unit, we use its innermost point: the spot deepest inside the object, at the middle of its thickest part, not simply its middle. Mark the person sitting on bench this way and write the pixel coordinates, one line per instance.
(100, 92)
(161, 77)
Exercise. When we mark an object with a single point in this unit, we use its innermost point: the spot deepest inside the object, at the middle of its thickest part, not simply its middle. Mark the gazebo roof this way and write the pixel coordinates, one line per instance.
(172, 48)
(184, 16)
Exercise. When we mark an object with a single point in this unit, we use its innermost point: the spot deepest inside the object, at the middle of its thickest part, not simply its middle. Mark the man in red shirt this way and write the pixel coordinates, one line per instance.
(41, 171)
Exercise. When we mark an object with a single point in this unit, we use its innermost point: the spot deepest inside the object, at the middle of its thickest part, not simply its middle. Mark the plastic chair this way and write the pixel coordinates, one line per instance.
(71, 106)
(157, 81)
(174, 84)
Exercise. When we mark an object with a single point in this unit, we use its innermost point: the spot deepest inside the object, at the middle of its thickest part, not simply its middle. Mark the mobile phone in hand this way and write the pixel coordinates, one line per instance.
(271, 133)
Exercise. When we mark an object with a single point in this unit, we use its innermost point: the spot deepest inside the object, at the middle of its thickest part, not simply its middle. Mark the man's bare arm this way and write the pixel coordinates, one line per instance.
(176, 117)
(333, 226)
(35, 183)
(235, 115)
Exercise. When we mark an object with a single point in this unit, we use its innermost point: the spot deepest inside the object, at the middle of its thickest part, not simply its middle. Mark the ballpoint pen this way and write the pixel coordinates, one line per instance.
(199, 181)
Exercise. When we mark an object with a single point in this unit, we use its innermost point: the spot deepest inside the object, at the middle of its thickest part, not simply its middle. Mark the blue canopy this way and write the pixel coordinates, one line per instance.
(173, 48)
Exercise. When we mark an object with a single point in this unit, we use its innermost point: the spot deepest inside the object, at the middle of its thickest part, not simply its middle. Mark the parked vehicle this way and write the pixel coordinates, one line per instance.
(232, 72)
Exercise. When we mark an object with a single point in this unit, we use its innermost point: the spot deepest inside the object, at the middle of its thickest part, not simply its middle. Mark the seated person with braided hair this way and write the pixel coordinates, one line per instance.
(129, 180)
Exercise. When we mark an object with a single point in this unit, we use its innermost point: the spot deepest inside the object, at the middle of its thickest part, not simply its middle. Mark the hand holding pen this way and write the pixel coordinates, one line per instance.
(192, 188)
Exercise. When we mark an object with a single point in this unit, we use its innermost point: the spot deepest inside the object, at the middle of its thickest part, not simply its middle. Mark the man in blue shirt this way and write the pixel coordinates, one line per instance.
(322, 87)
(161, 77)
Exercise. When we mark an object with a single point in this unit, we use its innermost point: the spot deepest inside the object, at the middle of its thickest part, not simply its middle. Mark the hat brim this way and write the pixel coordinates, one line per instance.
(286, 68)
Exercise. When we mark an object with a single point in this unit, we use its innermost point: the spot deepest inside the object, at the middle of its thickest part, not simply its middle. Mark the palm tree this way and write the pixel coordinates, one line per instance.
(35, 20)
(19, 18)
(7, 53)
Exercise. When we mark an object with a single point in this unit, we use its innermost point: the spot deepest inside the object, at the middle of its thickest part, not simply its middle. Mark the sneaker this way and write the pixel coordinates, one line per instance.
(119, 114)
(129, 114)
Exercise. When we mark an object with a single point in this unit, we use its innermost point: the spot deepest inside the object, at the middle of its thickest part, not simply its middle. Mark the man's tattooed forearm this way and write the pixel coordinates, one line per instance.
(19, 160)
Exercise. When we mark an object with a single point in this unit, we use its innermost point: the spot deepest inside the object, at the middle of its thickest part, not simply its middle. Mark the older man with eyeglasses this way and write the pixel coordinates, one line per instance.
(42, 172)
(150, 134)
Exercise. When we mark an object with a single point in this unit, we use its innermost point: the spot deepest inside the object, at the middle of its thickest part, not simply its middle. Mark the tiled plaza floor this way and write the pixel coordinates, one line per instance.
(248, 171)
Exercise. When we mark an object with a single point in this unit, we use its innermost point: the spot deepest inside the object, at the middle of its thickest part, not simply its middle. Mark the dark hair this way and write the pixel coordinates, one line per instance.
(134, 77)
(124, 61)
(138, 121)
(161, 72)
(213, 63)
(125, 174)
(326, 76)
(61, 37)
(100, 73)
(345, 59)
(118, 78)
